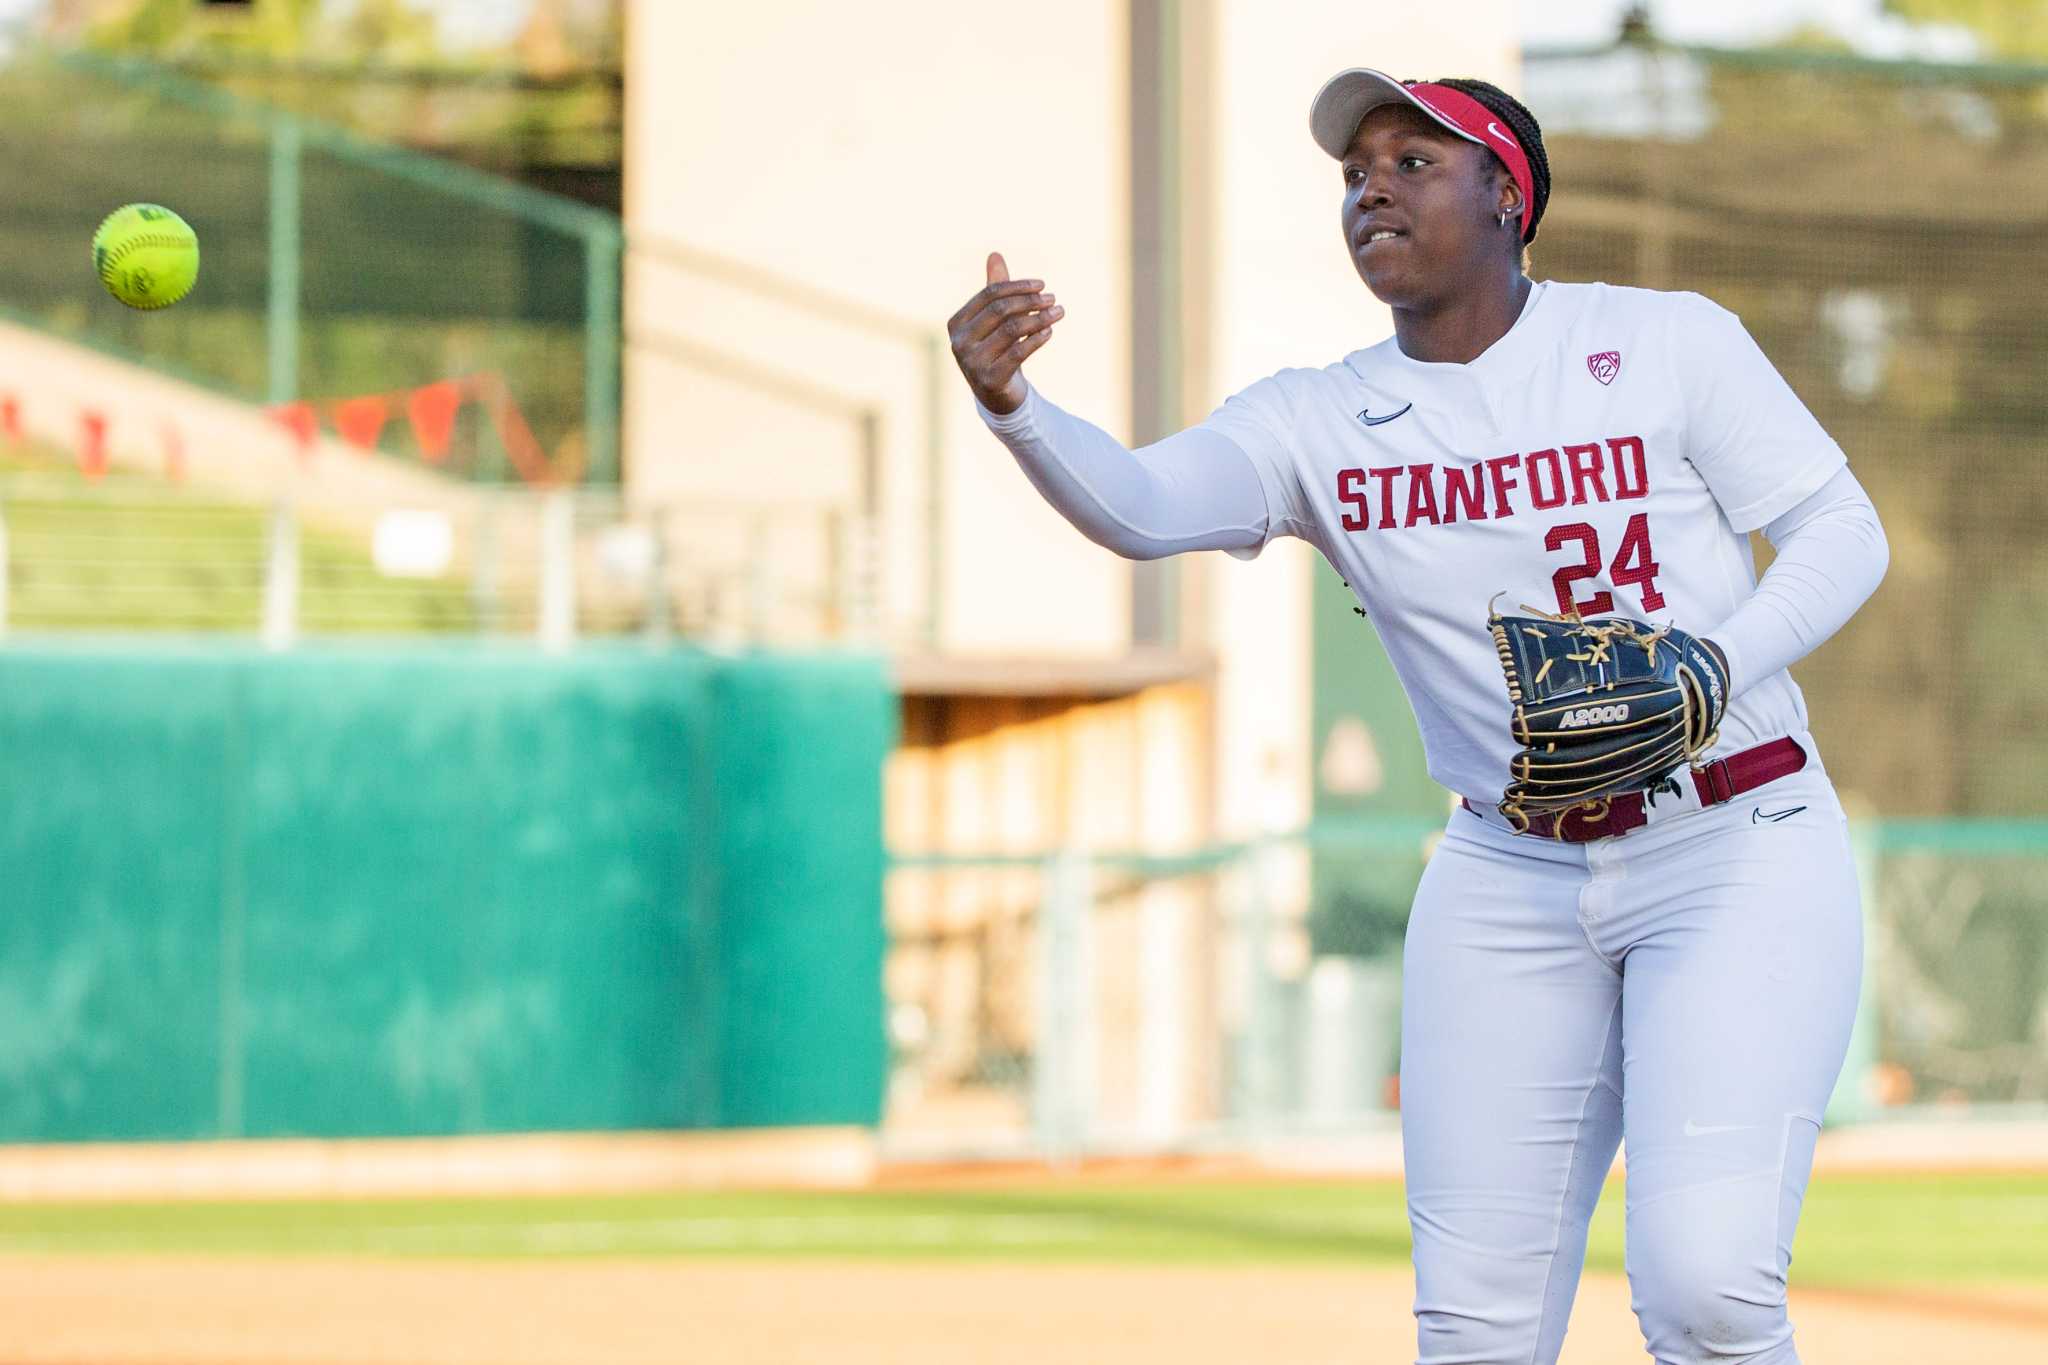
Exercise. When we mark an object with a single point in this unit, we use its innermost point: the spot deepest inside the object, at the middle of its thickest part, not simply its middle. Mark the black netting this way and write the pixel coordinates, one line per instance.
(1879, 233)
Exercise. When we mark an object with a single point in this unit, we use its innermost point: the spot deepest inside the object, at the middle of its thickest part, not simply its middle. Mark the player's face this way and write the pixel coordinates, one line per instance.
(1437, 194)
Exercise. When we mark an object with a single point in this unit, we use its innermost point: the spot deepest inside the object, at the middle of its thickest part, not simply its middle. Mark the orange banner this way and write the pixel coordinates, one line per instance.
(360, 421)
(432, 410)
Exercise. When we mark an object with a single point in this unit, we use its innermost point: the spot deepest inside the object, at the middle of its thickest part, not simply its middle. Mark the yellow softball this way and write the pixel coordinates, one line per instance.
(146, 256)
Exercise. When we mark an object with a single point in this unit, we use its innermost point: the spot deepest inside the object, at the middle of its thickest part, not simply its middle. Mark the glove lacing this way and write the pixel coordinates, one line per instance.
(1602, 637)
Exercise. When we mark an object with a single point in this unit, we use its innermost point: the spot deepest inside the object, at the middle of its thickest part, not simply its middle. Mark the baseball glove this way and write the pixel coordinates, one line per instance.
(1602, 707)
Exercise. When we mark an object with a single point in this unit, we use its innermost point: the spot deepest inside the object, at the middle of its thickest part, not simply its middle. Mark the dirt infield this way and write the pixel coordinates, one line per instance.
(251, 1311)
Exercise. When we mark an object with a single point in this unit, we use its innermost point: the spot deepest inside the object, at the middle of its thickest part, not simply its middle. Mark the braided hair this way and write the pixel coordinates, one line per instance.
(1522, 124)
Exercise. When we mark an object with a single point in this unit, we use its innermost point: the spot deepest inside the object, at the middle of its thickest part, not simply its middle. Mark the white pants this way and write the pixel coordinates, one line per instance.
(1690, 986)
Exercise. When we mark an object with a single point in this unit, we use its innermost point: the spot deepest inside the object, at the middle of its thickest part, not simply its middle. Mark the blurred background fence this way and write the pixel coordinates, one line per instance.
(333, 267)
(1878, 226)
(561, 128)
(1073, 1004)
(130, 551)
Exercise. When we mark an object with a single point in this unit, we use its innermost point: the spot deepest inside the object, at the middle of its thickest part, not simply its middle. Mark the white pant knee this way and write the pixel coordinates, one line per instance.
(1704, 1299)
(1704, 1327)
(1507, 1305)
(1708, 1262)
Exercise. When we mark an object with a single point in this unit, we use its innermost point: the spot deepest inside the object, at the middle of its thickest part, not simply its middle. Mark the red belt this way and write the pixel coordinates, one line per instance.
(1722, 780)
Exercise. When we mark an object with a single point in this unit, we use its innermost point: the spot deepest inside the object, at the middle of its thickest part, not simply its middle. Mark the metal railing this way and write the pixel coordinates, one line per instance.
(554, 564)
(1060, 1003)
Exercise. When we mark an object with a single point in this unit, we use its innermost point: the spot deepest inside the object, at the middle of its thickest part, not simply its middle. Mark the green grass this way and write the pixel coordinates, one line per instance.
(1950, 1229)
(78, 560)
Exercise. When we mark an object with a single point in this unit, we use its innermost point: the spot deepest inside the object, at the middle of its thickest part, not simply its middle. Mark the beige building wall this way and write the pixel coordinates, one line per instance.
(874, 154)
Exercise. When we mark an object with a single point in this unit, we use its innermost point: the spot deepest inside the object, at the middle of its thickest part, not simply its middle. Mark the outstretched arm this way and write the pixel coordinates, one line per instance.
(1198, 490)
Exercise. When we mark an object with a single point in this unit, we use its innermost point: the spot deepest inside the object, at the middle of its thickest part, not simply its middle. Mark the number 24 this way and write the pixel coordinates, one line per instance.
(1633, 565)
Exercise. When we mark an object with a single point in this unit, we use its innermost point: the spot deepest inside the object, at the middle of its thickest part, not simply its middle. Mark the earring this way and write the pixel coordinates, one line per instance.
(1503, 220)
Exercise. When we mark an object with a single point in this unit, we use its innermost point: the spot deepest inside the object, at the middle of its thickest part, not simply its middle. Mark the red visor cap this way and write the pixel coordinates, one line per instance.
(1347, 97)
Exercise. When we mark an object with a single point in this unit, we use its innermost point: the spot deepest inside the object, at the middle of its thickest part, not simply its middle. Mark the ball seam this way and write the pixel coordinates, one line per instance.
(115, 255)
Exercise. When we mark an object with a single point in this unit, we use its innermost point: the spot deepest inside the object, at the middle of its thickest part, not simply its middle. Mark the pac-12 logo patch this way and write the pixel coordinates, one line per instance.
(1604, 365)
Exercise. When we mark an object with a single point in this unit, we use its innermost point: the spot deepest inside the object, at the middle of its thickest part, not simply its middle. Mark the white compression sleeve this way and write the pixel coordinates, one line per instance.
(1831, 556)
(1196, 490)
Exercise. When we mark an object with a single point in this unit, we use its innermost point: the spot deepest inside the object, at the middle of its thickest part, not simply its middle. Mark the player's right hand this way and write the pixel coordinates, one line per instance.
(996, 329)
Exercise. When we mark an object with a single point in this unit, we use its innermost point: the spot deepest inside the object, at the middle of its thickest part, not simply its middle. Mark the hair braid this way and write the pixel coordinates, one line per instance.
(1522, 124)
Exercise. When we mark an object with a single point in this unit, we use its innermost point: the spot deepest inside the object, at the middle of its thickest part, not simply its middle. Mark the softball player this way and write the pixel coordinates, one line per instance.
(1678, 967)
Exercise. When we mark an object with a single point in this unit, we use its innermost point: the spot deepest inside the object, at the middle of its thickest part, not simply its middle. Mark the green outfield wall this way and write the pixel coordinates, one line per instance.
(385, 890)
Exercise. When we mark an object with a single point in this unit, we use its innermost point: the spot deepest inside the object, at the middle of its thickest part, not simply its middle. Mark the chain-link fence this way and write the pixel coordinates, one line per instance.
(332, 268)
(1077, 1004)
(1878, 227)
(1959, 1004)
(130, 552)
(563, 130)
(1085, 1003)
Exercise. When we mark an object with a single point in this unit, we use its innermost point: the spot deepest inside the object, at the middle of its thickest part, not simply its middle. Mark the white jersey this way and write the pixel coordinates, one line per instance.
(1611, 453)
